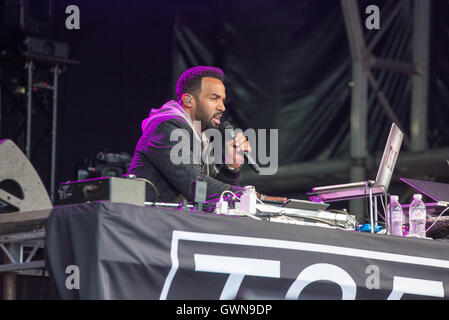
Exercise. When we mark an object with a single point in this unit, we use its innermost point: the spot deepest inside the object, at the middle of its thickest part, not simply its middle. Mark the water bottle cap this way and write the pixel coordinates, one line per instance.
(394, 198)
(417, 196)
(249, 188)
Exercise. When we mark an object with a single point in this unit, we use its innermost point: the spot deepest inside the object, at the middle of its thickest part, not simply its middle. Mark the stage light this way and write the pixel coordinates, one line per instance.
(107, 164)
(45, 47)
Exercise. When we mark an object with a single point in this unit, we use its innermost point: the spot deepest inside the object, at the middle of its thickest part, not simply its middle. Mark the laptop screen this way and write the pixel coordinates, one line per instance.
(384, 174)
(389, 157)
(435, 190)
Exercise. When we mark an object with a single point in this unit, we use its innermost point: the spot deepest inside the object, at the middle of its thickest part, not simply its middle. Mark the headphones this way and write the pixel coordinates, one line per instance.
(189, 99)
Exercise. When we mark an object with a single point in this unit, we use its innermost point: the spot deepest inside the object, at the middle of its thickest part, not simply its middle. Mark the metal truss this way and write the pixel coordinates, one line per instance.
(17, 260)
(305, 175)
(55, 66)
(363, 62)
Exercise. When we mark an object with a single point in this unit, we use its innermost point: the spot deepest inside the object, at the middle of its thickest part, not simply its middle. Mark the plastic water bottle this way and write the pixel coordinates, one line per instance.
(417, 216)
(248, 200)
(396, 216)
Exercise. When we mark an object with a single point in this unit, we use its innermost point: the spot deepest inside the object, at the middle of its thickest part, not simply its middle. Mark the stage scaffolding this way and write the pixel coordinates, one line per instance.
(55, 66)
(22, 236)
(22, 233)
(419, 158)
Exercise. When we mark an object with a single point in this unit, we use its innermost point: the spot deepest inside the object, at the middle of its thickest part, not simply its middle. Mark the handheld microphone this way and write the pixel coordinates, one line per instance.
(249, 159)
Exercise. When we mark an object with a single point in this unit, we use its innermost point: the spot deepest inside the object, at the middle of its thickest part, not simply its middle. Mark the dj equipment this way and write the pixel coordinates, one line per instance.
(305, 205)
(305, 214)
(112, 189)
(199, 192)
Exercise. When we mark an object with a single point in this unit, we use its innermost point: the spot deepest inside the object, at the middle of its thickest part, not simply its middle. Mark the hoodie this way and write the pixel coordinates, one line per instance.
(151, 159)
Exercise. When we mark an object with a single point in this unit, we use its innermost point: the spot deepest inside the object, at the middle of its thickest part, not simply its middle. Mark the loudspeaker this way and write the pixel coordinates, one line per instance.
(21, 188)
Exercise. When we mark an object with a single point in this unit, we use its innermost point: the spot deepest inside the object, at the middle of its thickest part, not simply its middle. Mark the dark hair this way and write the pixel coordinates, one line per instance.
(191, 79)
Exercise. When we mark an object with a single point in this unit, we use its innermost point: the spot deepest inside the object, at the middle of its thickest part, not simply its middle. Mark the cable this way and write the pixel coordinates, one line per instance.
(154, 188)
(257, 199)
(227, 191)
(386, 223)
(383, 207)
(251, 216)
(437, 219)
(244, 213)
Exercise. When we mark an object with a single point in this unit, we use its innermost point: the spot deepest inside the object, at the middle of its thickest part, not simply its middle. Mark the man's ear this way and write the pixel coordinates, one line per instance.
(187, 100)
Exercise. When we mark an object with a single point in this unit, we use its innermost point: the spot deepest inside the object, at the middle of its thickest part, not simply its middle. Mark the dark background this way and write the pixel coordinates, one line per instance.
(287, 64)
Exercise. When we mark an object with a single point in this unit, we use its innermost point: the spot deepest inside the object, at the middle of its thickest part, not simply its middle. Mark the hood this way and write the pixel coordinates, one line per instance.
(170, 110)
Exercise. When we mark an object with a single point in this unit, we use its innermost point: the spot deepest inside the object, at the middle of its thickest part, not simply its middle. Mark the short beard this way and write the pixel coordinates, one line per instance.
(206, 121)
(202, 117)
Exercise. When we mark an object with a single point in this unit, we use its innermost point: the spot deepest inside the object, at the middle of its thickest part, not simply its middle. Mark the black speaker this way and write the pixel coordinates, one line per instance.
(21, 188)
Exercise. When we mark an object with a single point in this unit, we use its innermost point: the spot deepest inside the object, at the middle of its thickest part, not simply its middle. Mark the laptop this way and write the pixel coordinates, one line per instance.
(434, 190)
(360, 189)
(304, 205)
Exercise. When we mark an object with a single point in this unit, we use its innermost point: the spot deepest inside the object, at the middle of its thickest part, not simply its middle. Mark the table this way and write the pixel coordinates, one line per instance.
(104, 250)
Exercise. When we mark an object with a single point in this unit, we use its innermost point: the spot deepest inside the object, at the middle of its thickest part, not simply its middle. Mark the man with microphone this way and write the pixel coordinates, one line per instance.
(200, 95)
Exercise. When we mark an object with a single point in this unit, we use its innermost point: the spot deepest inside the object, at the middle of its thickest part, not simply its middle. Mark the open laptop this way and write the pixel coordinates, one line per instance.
(359, 189)
(435, 190)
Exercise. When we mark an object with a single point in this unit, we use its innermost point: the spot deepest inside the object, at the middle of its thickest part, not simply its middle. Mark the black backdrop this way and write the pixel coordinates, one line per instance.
(287, 65)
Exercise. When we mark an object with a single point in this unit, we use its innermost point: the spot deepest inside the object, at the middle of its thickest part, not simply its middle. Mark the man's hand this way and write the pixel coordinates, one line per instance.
(234, 151)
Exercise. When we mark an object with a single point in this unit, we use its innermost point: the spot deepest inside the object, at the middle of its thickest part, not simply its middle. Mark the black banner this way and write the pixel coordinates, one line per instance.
(104, 250)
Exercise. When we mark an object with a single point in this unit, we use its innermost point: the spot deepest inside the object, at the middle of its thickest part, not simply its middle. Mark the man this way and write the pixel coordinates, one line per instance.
(200, 95)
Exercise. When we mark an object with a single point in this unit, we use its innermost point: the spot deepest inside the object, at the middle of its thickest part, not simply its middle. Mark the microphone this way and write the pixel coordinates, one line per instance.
(249, 159)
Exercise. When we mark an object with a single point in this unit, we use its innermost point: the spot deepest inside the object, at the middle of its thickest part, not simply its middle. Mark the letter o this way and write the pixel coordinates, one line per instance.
(323, 271)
